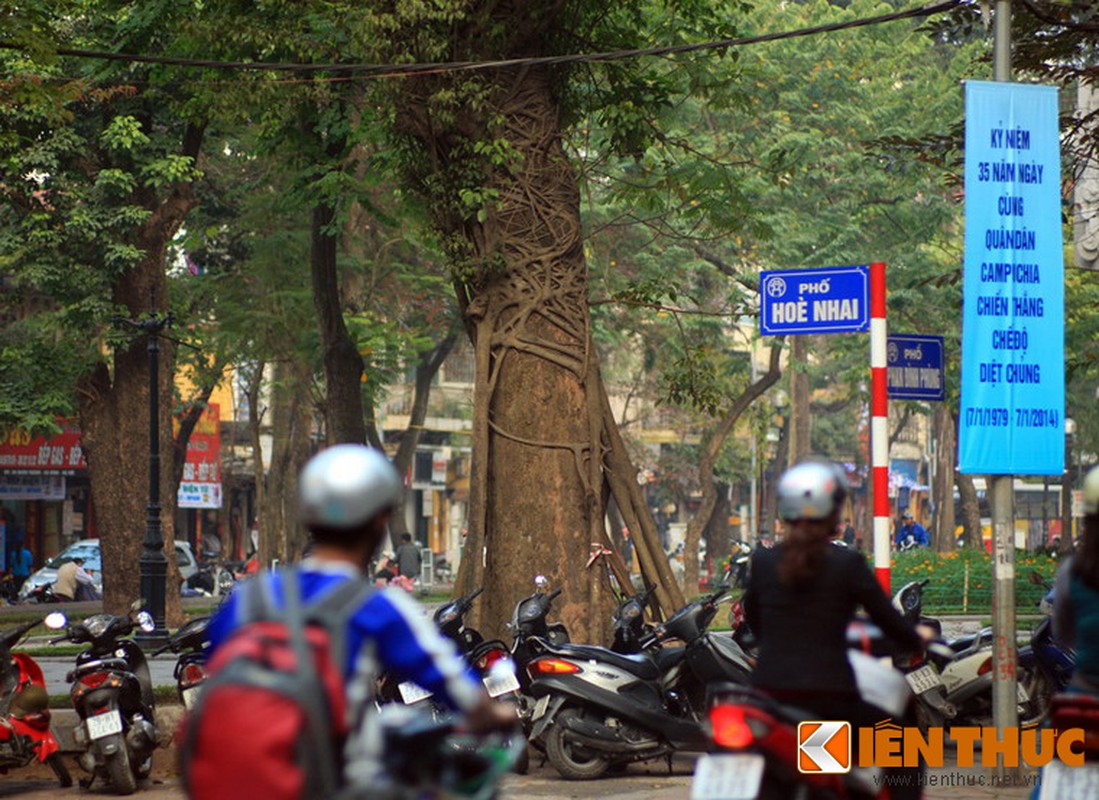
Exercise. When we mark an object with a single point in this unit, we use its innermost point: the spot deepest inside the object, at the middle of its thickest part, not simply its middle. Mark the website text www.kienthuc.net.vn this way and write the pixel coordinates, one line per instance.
(958, 780)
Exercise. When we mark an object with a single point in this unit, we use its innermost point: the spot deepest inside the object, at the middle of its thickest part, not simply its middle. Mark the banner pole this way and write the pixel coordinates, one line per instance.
(879, 424)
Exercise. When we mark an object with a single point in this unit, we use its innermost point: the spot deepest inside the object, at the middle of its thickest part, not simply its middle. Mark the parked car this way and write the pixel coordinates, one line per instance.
(88, 549)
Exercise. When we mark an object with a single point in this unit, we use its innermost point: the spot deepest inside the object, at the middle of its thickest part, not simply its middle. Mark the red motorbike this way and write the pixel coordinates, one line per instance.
(25, 733)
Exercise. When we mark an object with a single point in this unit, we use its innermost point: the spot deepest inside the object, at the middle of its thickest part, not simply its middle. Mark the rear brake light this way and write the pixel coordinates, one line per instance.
(551, 666)
(93, 680)
(485, 662)
(192, 674)
(730, 727)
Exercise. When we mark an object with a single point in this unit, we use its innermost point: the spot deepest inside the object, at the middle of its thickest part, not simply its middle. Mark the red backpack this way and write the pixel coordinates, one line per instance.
(270, 721)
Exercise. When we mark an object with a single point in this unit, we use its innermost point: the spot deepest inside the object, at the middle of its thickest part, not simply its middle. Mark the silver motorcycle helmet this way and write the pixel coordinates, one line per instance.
(811, 490)
(346, 485)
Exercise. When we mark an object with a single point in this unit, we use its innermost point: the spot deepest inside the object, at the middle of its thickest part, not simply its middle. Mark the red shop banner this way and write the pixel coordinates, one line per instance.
(203, 462)
(19, 451)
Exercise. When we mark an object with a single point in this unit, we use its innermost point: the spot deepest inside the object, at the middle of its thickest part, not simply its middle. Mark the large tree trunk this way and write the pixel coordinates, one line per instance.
(536, 502)
(943, 520)
(114, 418)
(708, 457)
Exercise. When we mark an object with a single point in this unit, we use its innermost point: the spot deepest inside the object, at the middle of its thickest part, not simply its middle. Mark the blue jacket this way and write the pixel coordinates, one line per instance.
(917, 531)
(406, 642)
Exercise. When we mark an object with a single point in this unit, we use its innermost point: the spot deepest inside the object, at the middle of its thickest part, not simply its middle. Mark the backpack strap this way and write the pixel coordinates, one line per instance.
(334, 609)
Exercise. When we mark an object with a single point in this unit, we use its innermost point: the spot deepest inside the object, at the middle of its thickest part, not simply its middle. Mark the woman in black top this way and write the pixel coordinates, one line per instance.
(801, 596)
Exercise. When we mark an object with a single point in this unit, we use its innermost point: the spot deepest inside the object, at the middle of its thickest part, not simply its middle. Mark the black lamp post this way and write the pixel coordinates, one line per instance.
(153, 562)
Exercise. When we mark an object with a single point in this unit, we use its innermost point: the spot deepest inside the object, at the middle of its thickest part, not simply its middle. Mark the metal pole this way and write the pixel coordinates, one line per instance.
(1004, 699)
(879, 424)
(753, 510)
(153, 563)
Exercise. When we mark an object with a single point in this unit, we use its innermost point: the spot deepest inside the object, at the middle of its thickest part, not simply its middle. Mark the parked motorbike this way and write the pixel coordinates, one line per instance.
(191, 642)
(965, 668)
(25, 733)
(597, 708)
(1045, 666)
(113, 695)
(44, 593)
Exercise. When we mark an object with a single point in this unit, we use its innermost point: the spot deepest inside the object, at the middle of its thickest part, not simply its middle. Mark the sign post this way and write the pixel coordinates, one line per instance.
(842, 300)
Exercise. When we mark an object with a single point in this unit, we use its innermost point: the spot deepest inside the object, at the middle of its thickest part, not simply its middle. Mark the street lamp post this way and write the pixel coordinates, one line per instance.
(153, 562)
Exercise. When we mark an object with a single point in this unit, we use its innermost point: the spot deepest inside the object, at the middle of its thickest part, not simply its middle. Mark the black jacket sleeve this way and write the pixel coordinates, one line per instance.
(751, 598)
(871, 597)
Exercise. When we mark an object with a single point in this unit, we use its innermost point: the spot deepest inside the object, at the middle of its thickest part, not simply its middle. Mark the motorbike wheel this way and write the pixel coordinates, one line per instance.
(571, 761)
(928, 717)
(60, 771)
(120, 775)
(1040, 692)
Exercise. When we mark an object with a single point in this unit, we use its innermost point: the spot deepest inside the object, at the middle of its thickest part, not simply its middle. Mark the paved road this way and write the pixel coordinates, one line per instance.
(641, 782)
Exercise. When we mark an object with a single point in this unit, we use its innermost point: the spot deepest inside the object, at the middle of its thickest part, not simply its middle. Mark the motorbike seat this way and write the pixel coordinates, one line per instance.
(642, 666)
(668, 657)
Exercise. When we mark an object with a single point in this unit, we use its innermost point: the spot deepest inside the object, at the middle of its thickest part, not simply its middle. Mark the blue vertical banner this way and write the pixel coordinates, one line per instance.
(1012, 414)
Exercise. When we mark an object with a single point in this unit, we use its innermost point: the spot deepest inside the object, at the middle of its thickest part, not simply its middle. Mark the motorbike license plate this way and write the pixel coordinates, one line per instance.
(727, 777)
(1062, 782)
(924, 679)
(497, 685)
(104, 725)
(413, 692)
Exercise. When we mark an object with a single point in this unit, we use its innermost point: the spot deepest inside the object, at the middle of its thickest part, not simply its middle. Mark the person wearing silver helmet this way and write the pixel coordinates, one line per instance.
(346, 494)
(802, 594)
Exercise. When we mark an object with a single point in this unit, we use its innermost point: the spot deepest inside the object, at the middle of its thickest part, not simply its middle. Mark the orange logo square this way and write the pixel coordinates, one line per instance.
(824, 747)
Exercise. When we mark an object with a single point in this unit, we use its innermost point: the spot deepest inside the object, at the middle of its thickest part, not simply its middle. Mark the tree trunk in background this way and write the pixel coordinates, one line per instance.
(800, 445)
(943, 520)
(282, 536)
(708, 458)
(426, 370)
(770, 499)
(970, 510)
(343, 365)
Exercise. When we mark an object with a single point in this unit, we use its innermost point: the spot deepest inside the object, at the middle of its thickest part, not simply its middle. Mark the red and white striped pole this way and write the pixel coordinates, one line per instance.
(879, 424)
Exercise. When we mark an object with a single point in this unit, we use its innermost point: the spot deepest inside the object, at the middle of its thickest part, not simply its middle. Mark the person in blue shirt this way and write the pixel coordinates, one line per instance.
(909, 529)
(346, 495)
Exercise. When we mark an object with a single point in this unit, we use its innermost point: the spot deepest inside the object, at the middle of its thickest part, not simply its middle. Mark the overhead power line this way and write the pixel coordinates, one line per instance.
(398, 70)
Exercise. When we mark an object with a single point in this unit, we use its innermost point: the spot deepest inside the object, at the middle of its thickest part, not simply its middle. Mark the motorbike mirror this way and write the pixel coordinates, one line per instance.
(56, 620)
(541, 581)
(145, 621)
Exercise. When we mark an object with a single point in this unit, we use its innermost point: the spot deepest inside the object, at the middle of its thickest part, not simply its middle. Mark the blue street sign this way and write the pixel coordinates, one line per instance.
(915, 367)
(830, 300)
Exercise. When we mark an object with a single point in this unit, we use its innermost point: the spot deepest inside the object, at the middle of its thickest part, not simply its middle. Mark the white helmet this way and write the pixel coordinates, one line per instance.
(346, 485)
(1091, 491)
(811, 490)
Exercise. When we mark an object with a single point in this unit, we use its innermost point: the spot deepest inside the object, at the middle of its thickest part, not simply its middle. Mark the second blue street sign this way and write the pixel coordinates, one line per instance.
(829, 300)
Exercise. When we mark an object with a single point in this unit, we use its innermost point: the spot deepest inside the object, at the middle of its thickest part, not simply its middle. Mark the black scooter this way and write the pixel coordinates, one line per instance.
(596, 708)
(113, 695)
(192, 643)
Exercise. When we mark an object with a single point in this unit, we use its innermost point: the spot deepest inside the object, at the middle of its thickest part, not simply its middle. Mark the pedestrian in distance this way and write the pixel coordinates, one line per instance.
(409, 558)
(911, 533)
